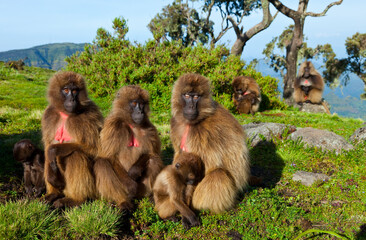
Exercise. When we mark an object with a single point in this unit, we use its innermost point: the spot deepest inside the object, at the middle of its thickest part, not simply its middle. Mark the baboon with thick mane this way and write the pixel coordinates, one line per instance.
(309, 85)
(70, 132)
(129, 143)
(202, 126)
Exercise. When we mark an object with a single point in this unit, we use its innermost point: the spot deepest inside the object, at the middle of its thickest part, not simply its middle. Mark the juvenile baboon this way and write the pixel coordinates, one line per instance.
(131, 143)
(245, 105)
(202, 126)
(174, 187)
(247, 95)
(70, 131)
(309, 85)
(32, 159)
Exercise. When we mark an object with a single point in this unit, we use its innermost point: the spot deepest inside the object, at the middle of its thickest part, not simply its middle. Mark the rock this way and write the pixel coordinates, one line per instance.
(323, 139)
(308, 178)
(254, 131)
(314, 108)
(359, 135)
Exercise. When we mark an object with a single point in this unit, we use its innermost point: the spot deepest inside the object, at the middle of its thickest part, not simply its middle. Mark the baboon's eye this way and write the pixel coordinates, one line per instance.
(66, 90)
(187, 96)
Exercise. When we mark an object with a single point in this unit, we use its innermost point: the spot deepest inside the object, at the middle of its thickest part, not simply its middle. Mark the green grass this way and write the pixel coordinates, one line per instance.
(279, 209)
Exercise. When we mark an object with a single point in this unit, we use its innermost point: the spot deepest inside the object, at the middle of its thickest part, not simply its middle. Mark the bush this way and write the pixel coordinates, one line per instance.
(112, 62)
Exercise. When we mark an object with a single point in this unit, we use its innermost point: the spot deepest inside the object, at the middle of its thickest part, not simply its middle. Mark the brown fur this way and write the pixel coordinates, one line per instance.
(32, 159)
(218, 138)
(308, 72)
(248, 103)
(75, 158)
(17, 65)
(174, 187)
(142, 163)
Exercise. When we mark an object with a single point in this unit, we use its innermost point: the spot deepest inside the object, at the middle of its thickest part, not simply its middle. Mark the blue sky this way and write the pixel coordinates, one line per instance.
(24, 23)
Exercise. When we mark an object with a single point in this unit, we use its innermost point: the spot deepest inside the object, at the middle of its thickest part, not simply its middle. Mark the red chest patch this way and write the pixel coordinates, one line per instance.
(62, 135)
(183, 145)
(133, 141)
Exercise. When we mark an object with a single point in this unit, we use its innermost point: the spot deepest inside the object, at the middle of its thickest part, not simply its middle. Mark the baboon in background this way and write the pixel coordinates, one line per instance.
(202, 126)
(32, 159)
(245, 105)
(309, 84)
(244, 86)
(174, 187)
(17, 65)
(129, 142)
(70, 131)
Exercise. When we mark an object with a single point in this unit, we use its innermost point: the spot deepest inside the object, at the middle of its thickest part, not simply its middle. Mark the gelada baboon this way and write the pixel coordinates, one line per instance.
(309, 84)
(32, 159)
(246, 93)
(245, 105)
(202, 126)
(130, 142)
(70, 131)
(174, 187)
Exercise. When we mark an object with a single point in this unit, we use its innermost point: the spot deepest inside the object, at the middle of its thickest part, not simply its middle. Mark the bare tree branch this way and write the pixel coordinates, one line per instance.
(266, 21)
(324, 11)
(235, 26)
(283, 9)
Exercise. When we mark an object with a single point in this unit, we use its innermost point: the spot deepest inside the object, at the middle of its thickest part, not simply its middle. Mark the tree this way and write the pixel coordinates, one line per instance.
(179, 21)
(238, 10)
(354, 63)
(295, 43)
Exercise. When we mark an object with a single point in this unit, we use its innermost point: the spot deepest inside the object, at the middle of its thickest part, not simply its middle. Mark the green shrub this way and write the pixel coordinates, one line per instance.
(112, 62)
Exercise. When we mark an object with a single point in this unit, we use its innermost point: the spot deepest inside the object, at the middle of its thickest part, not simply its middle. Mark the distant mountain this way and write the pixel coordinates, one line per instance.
(51, 56)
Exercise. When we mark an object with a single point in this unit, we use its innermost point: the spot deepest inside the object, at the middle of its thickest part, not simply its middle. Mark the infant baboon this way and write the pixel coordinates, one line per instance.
(174, 187)
(32, 159)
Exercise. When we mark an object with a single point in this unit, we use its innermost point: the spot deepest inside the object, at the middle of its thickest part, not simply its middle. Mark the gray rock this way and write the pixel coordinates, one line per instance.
(359, 135)
(257, 131)
(314, 108)
(308, 178)
(323, 139)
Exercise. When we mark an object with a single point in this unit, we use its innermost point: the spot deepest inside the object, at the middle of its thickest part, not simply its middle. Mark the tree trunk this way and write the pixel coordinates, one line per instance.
(238, 47)
(242, 38)
(292, 51)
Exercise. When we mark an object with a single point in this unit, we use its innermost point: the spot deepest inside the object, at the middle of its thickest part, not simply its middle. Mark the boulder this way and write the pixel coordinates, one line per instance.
(323, 139)
(314, 108)
(308, 178)
(359, 135)
(257, 131)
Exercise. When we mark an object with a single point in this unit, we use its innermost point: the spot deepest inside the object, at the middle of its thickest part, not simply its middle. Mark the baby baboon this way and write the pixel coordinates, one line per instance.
(246, 96)
(32, 159)
(174, 187)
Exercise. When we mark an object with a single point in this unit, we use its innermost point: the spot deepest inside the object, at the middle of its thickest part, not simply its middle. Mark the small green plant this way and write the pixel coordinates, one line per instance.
(93, 220)
(25, 219)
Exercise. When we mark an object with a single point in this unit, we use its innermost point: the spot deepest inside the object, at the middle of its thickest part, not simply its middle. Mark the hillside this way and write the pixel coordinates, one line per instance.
(276, 208)
(49, 56)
